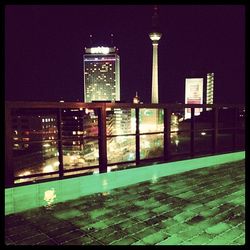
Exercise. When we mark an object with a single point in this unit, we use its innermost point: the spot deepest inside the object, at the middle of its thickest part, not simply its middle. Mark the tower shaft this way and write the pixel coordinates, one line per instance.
(154, 97)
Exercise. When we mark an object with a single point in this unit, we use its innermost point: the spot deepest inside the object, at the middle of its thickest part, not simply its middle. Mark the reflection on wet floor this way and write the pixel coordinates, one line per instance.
(204, 206)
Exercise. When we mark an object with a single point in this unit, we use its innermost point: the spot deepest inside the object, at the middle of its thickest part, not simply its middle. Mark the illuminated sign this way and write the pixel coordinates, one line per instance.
(99, 50)
(193, 95)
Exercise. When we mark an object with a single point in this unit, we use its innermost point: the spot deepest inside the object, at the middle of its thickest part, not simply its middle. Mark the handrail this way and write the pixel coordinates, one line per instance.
(101, 109)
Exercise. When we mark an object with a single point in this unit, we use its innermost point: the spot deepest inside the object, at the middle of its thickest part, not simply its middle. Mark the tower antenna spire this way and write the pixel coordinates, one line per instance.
(155, 18)
(155, 36)
(90, 40)
(112, 39)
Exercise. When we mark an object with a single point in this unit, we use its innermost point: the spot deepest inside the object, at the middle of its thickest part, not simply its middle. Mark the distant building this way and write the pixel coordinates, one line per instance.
(210, 89)
(193, 95)
(101, 68)
(34, 146)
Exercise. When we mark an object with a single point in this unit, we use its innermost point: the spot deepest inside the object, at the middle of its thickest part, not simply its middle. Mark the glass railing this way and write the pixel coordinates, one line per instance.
(46, 141)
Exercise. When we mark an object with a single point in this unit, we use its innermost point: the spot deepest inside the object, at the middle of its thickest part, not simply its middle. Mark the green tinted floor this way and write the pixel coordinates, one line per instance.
(205, 206)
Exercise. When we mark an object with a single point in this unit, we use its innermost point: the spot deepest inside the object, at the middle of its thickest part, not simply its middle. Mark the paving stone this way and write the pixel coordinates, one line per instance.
(196, 207)
(172, 240)
(201, 239)
(218, 228)
(154, 238)
(33, 240)
(124, 241)
(69, 236)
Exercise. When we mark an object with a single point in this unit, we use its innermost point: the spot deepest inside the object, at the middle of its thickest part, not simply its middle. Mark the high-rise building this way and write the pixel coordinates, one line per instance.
(155, 36)
(210, 89)
(101, 68)
(193, 95)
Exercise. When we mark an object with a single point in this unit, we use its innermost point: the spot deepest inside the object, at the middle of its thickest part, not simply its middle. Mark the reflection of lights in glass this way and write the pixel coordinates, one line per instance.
(49, 196)
(146, 144)
(25, 173)
(56, 164)
(96, 171)
(177, 142)
(154, 178)
(104, 183)
(74, 132)
(48, 169)
(203, 133)
(46, 145)
(131, 156)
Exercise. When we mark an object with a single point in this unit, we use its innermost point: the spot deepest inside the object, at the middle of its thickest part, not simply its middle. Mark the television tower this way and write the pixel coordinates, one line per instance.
(155, 36)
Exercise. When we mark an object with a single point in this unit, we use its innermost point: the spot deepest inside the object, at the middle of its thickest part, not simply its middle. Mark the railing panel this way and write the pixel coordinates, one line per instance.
(121, 149)
(35, 143)
(180, 142)
(120, 131)
(79, 152)
(203, 142)
(151, 120)
(151, 146)
(55, 140)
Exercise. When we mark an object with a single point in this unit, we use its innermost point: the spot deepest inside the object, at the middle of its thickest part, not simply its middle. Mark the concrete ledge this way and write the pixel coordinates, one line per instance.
(22, 198)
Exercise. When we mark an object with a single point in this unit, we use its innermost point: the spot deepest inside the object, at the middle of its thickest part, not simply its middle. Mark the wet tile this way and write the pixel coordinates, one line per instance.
(124, 241)
(143, 213)
(172, 240)
(61, 239)
(33, 240)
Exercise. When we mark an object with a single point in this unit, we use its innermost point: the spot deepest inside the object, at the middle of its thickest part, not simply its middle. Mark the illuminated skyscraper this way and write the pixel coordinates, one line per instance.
(155, 36)
(101, 68)
(210, 89)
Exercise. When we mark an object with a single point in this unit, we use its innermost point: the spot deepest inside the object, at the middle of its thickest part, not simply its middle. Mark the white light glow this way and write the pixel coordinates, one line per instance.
(25, 173)
(99, 50)
(48, 169)
(49, 196)
(56, 164)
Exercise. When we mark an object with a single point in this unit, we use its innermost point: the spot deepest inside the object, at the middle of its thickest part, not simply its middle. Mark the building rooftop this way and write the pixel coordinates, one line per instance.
(203, 206)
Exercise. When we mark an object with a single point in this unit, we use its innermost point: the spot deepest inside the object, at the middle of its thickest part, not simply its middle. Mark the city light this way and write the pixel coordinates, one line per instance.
(49, 196)
(24, 173)
(48, 169)
(99, 50)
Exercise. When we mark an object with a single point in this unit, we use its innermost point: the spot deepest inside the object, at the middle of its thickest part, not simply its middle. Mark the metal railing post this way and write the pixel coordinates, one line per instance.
(192, 133)
(137, 137)
(167, 130)
(60, 151)
(102, 139)
(9, 168)
(236, 113)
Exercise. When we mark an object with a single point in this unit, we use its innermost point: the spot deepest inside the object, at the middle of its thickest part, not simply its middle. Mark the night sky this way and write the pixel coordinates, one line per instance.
(44, 46)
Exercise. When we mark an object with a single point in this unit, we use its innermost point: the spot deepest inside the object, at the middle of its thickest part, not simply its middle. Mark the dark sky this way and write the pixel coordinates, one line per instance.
(44, 46)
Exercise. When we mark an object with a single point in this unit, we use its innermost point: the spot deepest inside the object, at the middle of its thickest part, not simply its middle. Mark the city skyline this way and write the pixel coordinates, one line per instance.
(44, 47)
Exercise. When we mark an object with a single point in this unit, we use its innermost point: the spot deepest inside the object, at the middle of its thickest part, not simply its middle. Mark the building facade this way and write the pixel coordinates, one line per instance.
(101, 69)
(210, 89)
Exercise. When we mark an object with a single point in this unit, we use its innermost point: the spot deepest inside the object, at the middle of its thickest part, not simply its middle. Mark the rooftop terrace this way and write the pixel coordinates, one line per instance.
(203, 204)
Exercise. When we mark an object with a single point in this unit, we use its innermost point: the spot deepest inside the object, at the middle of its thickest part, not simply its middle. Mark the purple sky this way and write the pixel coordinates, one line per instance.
(44, 46)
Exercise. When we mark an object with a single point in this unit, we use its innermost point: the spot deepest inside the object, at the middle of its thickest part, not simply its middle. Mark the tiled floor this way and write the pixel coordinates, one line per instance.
(205, 206)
